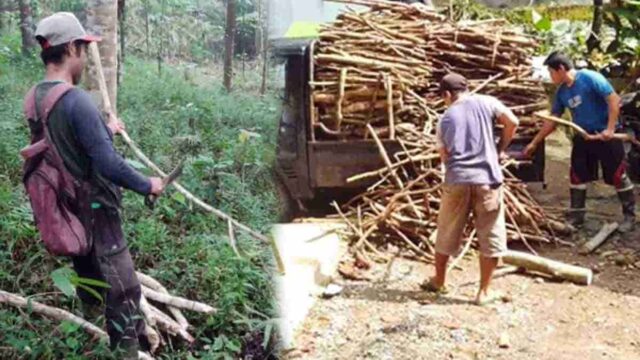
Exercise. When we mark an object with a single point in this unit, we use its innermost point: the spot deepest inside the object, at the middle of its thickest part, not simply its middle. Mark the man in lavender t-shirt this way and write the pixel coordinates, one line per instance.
(473, 179)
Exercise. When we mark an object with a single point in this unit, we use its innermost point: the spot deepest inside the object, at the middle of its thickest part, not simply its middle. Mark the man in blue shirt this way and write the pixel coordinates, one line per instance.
(594, 106)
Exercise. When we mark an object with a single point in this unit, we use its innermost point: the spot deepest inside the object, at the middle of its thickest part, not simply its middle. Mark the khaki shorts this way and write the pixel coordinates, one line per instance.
(457, 204)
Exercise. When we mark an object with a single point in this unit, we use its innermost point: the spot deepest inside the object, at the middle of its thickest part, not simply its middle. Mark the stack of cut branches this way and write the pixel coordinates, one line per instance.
(382, 67)
(401, 208)
(170, 322)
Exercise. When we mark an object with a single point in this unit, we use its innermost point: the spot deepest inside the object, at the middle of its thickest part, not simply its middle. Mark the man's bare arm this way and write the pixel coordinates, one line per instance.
(510, 125)
(614, 111)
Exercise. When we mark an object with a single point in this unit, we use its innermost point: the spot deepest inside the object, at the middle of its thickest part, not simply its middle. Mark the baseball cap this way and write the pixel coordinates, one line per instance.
(453, 82)
(61, 28)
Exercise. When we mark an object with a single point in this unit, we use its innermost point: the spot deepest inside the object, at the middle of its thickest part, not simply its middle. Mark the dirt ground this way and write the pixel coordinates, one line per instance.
(390, 318)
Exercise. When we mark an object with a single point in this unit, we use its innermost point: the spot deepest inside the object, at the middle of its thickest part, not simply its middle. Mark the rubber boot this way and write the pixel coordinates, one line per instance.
(577, 210)
(628, 202)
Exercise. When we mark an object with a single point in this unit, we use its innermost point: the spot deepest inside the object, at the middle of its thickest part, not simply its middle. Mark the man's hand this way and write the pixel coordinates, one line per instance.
(530, 149)
(503, 157)
(157, 185)
(607, 134)
(115, 125)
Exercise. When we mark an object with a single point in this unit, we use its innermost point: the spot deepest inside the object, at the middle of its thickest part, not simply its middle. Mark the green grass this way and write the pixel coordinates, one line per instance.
(171, 118)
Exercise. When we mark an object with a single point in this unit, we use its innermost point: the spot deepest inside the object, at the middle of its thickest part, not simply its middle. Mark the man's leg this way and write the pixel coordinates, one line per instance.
(488, 209)
(614, 170)
(452, 218)
(125, 325)
(487, 266)
(584, 169)
(441, 270)
(87, 267)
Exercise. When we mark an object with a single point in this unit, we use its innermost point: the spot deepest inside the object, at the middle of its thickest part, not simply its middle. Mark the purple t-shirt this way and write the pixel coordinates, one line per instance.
(466, 133)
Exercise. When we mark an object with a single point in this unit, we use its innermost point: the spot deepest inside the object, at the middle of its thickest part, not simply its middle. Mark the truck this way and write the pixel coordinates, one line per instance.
(311, 173)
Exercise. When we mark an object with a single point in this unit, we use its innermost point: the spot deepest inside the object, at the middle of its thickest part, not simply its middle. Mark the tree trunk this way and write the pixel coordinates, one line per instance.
(259, 31)
(102, 19)
(2, 10)
(594, 38)
(26, 26)
(121, 23)
(264, 30)
(146, 30)
(228, 43)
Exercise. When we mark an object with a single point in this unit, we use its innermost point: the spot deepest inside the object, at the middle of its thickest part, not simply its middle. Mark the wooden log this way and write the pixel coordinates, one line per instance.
(153, 337)
(360, 61)
(599, 238)
(392, 127)
(556, 269)
(153, 284)
(146, 311)
(343, 80)
(58, 314)
(169, 325)
(363, 93)
(177, 301)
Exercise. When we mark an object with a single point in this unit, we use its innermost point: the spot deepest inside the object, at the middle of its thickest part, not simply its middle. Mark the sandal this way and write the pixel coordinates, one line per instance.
(429, 286)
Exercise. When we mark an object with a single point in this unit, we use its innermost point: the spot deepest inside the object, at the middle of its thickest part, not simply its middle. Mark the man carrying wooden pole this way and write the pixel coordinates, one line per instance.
(594, 107)
(473, 179)
(73, 124)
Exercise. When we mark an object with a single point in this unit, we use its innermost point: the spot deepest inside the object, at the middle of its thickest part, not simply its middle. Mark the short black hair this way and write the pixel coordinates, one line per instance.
(556, 59)
(55, 54)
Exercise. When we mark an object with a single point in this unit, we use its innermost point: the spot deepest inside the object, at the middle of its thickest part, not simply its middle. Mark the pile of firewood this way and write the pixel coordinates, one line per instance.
(375, 76)
(170, 322)
(382, 67)
(401, 208)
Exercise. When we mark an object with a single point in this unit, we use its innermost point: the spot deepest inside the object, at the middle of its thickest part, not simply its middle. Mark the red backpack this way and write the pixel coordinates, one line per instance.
(59, 201)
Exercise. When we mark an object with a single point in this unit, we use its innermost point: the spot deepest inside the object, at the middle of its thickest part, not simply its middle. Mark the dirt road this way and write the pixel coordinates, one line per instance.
(390, 318)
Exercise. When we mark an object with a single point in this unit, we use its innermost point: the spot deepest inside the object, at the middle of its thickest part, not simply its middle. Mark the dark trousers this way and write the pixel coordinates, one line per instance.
(110, 261)
(589, 156)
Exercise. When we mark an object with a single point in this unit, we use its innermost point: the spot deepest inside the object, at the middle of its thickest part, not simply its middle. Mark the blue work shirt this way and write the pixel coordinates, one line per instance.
(586, 99)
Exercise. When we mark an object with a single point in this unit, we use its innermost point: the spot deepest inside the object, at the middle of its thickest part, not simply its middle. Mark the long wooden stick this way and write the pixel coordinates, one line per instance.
(153, 284)
(387, 161)
(146, 311)
(58, 314)
(169, 325)
(392, 126)
(599, 238)
(177, 301)
(582, 132)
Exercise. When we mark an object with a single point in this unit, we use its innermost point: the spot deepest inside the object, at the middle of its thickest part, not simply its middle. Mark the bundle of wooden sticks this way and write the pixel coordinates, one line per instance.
(160, 324)
(382, 67)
